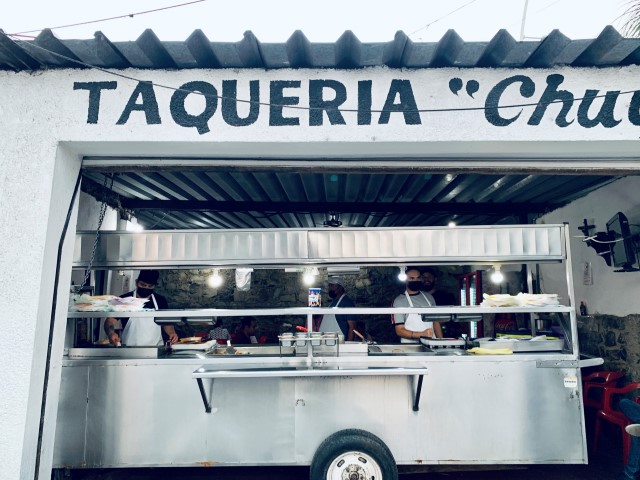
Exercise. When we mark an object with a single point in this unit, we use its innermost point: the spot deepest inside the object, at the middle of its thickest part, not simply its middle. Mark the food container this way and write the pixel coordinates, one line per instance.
(316, 338)
(286, 339)
(330, 338)
(301, 339)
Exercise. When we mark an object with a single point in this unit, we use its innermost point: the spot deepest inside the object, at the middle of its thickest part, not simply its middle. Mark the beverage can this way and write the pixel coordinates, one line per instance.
(315, 298)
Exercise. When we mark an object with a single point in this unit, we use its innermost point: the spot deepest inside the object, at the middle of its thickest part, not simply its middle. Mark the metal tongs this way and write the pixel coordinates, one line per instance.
(364, 340)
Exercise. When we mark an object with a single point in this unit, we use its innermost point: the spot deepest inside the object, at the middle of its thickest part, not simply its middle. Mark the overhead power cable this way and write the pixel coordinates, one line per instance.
(129, 15)
(299, 107)
(442, 17)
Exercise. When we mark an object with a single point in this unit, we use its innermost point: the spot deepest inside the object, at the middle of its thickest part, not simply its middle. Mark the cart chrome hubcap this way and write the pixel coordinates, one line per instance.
(354, 466)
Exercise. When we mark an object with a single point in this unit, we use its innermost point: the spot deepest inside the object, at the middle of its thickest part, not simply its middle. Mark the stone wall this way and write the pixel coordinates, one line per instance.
(615, 339)
(270, 288)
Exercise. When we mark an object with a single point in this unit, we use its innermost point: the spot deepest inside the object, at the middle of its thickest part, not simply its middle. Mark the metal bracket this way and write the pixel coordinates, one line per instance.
(288, 372)
(416, 401)
(207, 404)
(556, 363)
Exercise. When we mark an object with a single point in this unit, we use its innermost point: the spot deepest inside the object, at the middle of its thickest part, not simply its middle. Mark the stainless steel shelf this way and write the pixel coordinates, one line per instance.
(225, 312)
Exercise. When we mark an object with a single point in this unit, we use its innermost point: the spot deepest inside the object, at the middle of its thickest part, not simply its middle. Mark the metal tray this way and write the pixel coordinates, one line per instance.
(522, 345)
(194, 346)
(442, 342)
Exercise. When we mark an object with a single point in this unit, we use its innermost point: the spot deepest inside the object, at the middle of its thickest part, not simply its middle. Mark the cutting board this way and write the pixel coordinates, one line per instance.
(193, 346)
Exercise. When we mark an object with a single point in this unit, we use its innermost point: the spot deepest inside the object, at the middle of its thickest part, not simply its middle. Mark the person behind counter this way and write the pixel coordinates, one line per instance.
(246, 332)
(218, 332)
(410, 327)
(142, 331)
(430, 285)
(339, 323)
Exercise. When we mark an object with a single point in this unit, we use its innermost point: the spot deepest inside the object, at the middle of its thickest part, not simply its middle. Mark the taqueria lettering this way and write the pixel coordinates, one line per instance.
(327, 99)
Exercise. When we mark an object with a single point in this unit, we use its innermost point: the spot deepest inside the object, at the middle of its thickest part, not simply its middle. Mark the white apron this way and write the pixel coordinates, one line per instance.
(414, 322)
(142, 331)
(329, 322)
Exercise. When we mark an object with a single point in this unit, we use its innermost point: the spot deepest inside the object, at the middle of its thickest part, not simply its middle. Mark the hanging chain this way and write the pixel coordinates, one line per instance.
(103, 211)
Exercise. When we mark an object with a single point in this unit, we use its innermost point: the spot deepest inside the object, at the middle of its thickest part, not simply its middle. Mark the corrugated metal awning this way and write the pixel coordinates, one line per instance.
(46, 51)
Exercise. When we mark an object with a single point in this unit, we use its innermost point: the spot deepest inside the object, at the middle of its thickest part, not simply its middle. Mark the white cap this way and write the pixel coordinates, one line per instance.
(336, 281)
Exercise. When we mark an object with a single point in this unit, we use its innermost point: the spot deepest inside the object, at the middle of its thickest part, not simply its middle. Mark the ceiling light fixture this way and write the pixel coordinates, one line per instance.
(402, 276)
(333, 220)
(215, 280)
(497, 276)
(309, 276)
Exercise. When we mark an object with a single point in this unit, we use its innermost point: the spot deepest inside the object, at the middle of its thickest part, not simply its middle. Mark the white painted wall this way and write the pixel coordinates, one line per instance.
(611, 293)
(44, 133)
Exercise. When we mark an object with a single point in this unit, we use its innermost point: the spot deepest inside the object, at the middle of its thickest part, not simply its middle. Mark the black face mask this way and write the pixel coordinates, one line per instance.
(414, 285)
(144, 292)
(333, 293)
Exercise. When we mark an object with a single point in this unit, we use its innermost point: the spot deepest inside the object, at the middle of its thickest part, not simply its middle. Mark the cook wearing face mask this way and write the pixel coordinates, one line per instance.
(342, 324)
(410, 327)
(142, 331)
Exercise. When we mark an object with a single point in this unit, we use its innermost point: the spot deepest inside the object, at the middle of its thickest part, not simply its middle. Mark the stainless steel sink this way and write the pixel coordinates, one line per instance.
(257, 350)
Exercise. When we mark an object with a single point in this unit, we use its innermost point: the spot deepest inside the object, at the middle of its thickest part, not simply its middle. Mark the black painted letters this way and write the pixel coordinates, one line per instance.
(230, 103)
(184, 118)
(327, 97)
(491, 110)
(317, 104)
(407, 104)
(149, 104)
(278, 101)
(93, 111)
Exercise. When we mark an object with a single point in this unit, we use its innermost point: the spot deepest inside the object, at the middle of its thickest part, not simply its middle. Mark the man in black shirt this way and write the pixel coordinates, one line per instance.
(142, 331)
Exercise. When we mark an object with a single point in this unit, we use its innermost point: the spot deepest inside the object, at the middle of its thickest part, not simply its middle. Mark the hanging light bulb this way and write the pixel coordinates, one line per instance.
(215, 280)
(402, 276)
(309, 275)
(497, 276)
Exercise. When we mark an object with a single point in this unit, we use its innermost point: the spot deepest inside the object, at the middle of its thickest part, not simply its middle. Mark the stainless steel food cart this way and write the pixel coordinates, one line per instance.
(343, 413)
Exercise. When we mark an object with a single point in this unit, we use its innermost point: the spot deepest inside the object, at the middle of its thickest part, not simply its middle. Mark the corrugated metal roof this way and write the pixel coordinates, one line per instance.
(207, 198)
(46, 51)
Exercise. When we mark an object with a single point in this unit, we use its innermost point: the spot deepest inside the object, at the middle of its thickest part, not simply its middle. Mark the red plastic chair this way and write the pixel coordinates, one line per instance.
(593, 386)
(610, 413)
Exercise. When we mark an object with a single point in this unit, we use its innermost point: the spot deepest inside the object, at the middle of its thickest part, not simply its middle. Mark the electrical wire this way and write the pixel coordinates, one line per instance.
(129, 15)
(444, 16)
(157, 222)
(593, 239)
(537, 11)
(298, 107)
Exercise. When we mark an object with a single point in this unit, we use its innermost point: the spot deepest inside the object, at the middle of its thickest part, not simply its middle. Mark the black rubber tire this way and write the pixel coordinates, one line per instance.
(362, 453)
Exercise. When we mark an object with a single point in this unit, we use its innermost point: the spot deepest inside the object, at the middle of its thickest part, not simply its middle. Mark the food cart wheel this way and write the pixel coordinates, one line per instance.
(353, 454)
